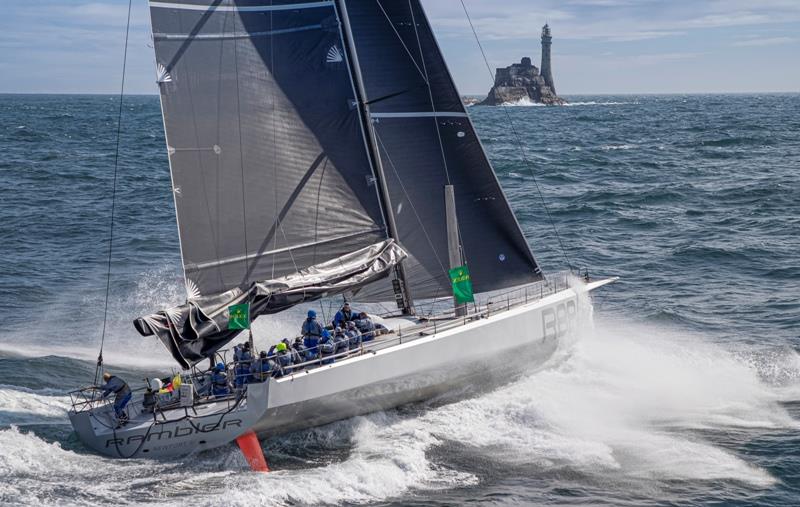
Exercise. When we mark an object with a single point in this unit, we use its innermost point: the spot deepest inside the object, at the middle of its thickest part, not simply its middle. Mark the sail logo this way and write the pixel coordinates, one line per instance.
(334, 55)
(163, 76)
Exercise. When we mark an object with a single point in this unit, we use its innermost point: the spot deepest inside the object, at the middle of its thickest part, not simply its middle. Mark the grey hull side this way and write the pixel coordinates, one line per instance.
(454, 364)
(177, 432)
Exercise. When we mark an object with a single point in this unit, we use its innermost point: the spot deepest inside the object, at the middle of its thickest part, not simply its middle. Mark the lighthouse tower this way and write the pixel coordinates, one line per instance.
(547, 70)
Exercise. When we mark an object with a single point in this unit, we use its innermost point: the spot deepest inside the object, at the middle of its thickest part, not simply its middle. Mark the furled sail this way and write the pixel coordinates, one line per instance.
(426, 141)
(198, 328)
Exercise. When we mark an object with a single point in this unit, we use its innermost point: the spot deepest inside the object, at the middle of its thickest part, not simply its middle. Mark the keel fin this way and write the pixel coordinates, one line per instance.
(251, 449)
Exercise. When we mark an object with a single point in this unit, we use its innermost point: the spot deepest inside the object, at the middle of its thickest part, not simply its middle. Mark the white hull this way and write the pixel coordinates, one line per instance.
(459, 359)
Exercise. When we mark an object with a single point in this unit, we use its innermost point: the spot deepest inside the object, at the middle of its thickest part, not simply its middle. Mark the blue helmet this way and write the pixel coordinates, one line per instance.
(312, 314)
(220, 367)
(325, 333)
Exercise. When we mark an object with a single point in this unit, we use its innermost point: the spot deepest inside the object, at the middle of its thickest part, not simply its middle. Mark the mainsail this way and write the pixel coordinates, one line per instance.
(270, 171)
(426, 141)
(314, 139)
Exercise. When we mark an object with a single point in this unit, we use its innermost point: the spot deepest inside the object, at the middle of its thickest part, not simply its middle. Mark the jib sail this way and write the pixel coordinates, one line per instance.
(426, 141)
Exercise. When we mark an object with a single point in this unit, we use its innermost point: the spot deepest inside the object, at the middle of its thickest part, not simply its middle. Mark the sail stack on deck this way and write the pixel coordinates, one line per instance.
(302, 132)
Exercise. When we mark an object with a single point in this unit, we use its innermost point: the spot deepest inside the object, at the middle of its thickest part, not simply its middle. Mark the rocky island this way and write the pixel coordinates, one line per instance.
(523, 81)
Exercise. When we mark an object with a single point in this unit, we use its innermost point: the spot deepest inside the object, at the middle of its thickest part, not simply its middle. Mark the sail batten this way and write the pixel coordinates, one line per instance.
(219, 6)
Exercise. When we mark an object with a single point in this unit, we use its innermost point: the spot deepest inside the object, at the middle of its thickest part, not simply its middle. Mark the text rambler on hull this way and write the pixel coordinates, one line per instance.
(321, 149)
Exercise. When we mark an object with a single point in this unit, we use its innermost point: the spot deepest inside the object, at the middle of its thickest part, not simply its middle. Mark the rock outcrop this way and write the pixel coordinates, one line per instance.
(518, 83)
(523, 81)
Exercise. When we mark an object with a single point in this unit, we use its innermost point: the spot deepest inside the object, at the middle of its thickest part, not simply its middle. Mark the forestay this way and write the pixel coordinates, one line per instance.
(426, 141)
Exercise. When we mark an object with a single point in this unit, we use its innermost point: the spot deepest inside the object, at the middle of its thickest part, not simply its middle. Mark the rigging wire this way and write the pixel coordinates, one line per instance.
(519, 143)
(114, 196)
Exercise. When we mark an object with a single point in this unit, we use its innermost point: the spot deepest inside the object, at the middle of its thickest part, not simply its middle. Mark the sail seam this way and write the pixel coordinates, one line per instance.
(239, 258)
(223, 36)
(237, 8)
(421, 114)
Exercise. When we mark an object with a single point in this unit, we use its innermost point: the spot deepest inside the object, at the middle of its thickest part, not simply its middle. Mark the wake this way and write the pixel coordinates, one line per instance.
(627, 404)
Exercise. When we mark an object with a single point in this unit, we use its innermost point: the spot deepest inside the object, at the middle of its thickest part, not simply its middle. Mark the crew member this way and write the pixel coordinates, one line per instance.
(122, 394)
(262, 368)
(366, 327)
(311, 332)
(219, 381)
(327, 346)
(341, 341)
(353, 335)
(343, 316)
(283, 358)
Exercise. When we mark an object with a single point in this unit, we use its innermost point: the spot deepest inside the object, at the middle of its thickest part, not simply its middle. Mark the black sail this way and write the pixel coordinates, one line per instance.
(274, 189)
(269, 168)
(426, 141)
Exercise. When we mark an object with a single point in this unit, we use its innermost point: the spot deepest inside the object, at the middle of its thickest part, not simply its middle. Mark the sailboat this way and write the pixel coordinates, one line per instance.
(320, 149)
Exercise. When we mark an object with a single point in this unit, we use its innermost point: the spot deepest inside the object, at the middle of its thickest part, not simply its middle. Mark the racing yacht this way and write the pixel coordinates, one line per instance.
(320, 149)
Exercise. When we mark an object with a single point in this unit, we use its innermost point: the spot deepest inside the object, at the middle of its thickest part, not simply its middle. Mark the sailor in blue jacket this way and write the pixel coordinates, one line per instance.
(340, 340)
(344, 316)
(284, 359)
(366, 327)
(219, 381)
(262, 368)
(312, 332)
(327, 346)
(353, 335)
(122, 393)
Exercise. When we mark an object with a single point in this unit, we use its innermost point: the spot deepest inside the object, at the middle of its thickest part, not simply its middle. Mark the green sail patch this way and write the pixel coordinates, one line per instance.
(462, 284)
(239, 316)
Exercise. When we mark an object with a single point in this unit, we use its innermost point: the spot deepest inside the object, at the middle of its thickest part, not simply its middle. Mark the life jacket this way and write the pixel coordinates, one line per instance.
(311, 328)
(219, 382)
(241, 372)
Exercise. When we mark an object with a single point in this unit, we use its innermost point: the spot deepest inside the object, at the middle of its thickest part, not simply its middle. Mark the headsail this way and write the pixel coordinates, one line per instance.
(426, 141)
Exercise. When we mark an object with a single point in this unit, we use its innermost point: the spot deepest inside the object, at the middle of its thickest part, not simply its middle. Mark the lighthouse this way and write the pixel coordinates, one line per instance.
(547, 70)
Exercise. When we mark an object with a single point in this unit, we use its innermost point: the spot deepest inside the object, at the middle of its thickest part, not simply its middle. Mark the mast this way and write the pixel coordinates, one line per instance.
(400, 284)
(453, 242)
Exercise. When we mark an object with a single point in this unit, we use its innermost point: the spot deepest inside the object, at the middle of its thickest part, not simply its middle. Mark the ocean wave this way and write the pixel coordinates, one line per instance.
(613, 147)
(596, 103)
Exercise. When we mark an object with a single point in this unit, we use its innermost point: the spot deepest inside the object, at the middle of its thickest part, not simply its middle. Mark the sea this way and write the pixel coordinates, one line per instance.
(686, 391)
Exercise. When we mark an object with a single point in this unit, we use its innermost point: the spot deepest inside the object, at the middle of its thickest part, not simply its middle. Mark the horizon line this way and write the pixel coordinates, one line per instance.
(617, 94)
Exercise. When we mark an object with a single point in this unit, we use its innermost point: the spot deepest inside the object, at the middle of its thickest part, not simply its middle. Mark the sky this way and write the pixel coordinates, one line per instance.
(599, 46)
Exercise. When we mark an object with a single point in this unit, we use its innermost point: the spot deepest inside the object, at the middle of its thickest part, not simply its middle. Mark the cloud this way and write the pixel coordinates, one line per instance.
(770, 41)
(609, 20)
